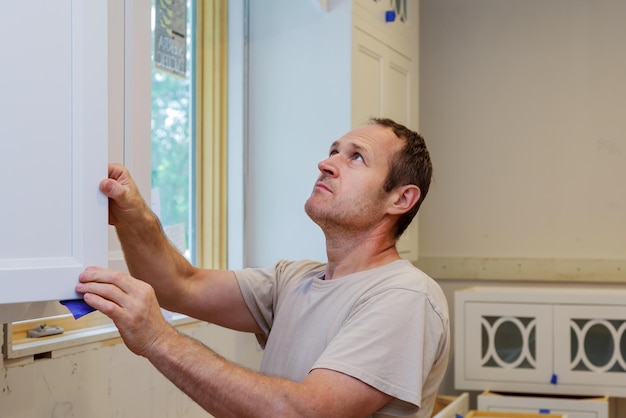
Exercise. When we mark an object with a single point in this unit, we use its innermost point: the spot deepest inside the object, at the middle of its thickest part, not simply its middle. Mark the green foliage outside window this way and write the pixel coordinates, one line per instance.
(172, 143)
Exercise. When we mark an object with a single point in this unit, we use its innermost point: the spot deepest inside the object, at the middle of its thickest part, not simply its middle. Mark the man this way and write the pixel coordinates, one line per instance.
(366, 334)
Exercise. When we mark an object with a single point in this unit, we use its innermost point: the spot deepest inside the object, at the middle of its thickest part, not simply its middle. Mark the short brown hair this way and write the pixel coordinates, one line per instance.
(410, 165)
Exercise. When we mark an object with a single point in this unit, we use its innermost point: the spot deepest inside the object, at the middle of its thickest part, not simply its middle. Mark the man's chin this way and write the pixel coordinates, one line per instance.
(309, 209)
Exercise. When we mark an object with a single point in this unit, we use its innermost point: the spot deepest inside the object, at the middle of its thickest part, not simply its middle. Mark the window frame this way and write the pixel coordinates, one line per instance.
(210, 179)
(212, 133)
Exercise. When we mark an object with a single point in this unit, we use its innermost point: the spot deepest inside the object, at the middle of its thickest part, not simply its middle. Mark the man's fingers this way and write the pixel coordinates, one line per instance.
(116, 171)
(105, 306)
(105, 276)
(115, 286)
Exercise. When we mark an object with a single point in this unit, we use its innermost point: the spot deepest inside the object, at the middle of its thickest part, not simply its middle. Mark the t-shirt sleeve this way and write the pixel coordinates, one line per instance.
(261, 289)
(383, 346)
(258, 287)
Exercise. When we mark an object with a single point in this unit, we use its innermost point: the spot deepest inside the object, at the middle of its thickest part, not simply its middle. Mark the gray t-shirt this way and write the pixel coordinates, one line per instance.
(388, 327)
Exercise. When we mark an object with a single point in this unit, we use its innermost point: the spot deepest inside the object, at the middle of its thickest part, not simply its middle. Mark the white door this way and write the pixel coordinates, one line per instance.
(53, 136)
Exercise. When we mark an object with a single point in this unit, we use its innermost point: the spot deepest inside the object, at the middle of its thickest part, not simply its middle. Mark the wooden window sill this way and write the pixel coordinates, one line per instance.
(19, 349)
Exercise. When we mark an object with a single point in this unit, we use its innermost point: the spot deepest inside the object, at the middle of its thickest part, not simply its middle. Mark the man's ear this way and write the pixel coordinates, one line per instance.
(405, 197)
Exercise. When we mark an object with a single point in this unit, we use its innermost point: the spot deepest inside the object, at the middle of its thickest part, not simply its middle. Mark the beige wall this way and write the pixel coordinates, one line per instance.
(107, 380)
(522, 105)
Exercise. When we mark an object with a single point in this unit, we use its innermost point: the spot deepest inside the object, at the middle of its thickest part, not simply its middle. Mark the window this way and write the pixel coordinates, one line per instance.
(173, 97)
(189, 136)
(202, 208)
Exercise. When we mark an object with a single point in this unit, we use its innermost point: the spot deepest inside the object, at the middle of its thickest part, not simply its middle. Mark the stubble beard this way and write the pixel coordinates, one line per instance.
(341, 219)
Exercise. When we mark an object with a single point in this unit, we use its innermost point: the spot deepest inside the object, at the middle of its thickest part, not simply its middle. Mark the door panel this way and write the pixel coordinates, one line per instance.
(54, 146)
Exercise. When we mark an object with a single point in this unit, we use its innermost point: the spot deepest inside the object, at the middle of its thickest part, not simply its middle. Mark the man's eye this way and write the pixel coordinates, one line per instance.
(358, 156)
(333, 152)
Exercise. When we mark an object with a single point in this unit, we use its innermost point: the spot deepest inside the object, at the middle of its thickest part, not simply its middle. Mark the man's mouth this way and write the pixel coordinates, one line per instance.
(321, 185)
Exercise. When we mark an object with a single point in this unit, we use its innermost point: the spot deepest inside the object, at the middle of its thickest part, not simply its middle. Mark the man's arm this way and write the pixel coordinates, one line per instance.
(220, 387)
(211, 295)
(227, 390)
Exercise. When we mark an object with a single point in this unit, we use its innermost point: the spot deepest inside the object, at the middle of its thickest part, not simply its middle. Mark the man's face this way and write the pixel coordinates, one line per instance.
(348, 194)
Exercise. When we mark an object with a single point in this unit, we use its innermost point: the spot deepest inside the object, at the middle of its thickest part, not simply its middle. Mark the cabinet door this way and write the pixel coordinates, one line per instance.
(54, 146)
(384, 82)
(590, 348)
(504, 346)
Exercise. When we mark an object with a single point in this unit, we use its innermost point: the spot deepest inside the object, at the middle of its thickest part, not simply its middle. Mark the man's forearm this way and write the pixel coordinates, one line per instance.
(221, 387)
(151, 258)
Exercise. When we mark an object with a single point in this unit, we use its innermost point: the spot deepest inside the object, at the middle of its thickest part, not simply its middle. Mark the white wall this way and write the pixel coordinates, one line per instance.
(299, 92)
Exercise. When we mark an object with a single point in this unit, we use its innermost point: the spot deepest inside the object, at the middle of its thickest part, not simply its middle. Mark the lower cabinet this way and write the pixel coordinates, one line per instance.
(573, 407)
(541, 340)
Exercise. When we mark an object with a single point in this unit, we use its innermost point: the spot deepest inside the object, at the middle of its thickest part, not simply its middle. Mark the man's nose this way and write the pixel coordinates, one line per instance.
(329, 165)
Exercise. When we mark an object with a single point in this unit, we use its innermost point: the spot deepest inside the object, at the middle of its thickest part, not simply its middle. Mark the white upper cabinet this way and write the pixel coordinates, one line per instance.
(54, 131)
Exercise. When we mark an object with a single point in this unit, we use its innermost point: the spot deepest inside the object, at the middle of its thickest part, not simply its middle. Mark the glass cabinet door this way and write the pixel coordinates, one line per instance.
(508, 342)
(590, 346)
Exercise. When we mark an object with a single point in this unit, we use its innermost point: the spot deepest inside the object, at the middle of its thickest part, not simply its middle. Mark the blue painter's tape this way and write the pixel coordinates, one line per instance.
(77, 307)
(390, 16)
(554, 380)
(544, 411)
